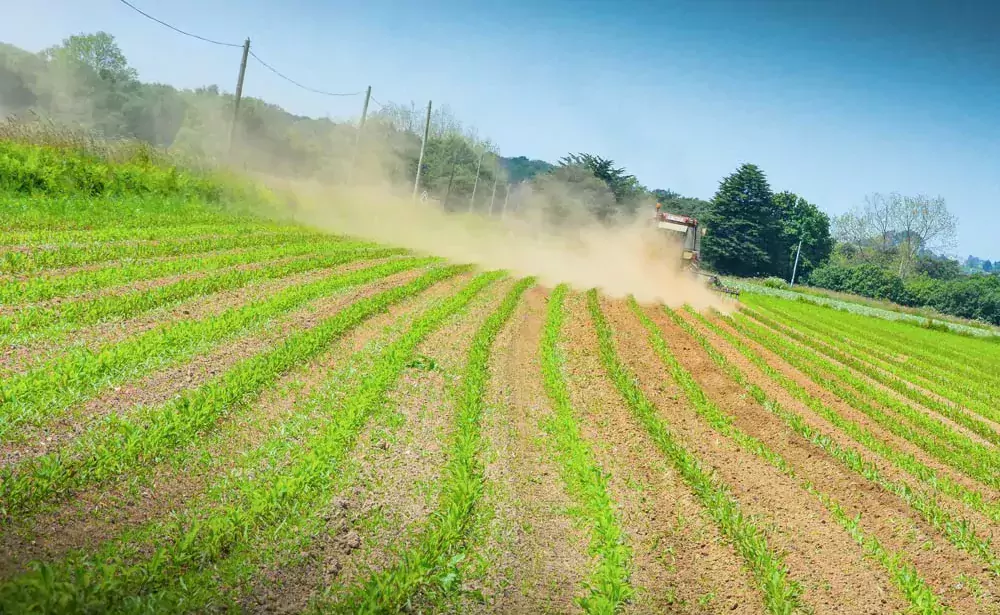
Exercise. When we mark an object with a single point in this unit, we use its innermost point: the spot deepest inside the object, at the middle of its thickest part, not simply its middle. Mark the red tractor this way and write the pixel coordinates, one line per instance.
(685, 231)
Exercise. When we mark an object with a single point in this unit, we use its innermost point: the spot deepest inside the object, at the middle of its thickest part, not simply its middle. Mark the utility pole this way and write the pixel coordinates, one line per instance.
(494, 196)
(451, 177)
(475, 185)
(796, 266)
(423, 147)
(239, 94)
(506, 196)
(357, 139)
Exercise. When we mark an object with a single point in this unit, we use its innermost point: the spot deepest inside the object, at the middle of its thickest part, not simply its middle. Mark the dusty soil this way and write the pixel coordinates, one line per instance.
(533, 558)
(885, 516)
(101, 512)
(681, 562)
(394, 474)
(835, 576)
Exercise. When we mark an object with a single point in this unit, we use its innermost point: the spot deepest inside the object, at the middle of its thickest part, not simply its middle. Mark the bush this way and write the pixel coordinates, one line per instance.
(975, 297)
(773, 282)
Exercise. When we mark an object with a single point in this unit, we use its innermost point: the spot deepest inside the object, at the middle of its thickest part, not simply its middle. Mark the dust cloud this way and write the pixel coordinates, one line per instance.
(628, 257)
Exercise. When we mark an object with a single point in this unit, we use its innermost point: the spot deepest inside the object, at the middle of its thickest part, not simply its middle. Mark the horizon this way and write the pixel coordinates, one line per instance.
(829, 118)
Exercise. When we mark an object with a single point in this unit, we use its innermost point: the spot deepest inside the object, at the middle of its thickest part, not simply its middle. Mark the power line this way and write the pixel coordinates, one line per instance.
(296, 83)
(175, 29)
(376, 102)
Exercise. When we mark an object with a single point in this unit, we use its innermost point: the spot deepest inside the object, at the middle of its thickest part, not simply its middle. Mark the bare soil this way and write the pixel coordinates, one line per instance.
(681, 562)
(835, 576)
(101, 512)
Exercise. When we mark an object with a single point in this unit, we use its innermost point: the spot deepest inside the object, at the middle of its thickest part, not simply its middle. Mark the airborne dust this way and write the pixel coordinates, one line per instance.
(627, 257)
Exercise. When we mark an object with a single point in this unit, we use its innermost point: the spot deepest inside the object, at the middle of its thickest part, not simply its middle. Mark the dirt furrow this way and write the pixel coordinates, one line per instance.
(102, 512)
(681, 563)
(835, 576)
(22, 357)
(884, 515)
(160, 386)
(394, 475)
(842, 408)
(531, 558)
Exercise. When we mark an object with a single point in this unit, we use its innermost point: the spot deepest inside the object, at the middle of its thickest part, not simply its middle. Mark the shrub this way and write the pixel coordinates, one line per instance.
(773, 282)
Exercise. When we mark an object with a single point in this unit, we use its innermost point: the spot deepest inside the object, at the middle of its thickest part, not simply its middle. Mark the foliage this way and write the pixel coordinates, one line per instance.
(897, 228)
(521, 169)
(773, 282)
(975, 296)
(801, 221)
(744, 231)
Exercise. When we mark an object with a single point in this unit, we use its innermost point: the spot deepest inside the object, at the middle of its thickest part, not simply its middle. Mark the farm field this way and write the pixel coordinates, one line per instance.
(202, 412)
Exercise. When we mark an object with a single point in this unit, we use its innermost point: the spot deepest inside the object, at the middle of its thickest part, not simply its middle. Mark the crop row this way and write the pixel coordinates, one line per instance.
(608, 585)
(248, 504)
(959, 532)
(441, 544)
(49, 286)
(974, 393)
(123, 443)
(781, 594)
(74, 313)
(34, 261)
(942, 443)
(43, 392)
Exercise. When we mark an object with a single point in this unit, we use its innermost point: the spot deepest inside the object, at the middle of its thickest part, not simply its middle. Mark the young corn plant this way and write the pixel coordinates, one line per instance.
(781, 594)
(117, 578)
(920, 596)
(608, 586)
(432, 560)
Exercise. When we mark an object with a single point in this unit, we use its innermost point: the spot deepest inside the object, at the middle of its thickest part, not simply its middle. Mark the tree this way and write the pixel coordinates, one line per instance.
(897, 227)
(924, 224)
(801, 221)
(623, 186)
(744, 232)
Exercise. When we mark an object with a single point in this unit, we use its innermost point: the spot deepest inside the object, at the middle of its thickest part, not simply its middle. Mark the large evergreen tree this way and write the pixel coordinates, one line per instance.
(744, 231)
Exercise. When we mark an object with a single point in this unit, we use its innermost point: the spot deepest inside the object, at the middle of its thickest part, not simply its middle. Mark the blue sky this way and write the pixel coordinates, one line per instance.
(833, 99)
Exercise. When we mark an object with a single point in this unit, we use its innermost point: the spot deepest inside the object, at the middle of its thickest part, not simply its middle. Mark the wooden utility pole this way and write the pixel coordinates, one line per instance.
(357, 139)
(423, 147)
(475, 185)
(506, 195)
(239, 95)
(451, 177)
(493, 198)
(795, 267)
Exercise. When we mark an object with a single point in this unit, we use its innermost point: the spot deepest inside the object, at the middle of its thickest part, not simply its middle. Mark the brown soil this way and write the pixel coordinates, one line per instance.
(19, 358)
(681, 562)
(102, 512)
(883, 515)
(531, 558)
(160, 386)
(870, 381)
(394, 475)
(845, 410)
(835, 576)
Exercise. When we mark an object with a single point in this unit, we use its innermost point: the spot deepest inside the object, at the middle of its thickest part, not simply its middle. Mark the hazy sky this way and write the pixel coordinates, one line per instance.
(832, 98)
